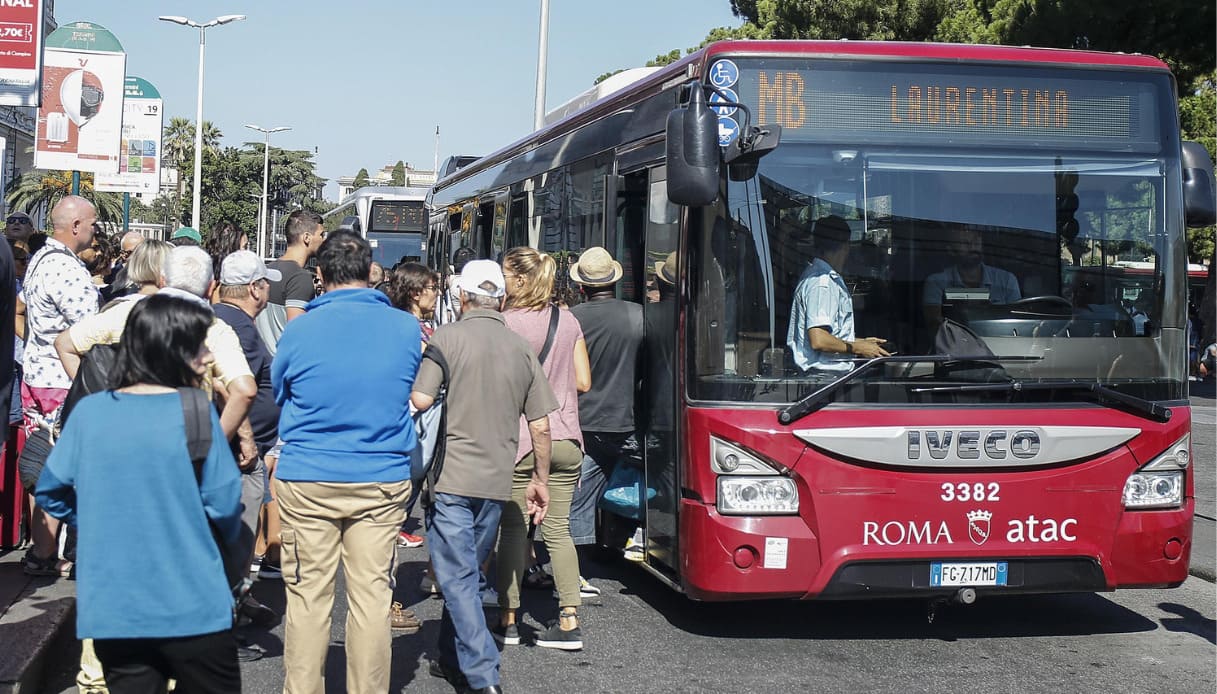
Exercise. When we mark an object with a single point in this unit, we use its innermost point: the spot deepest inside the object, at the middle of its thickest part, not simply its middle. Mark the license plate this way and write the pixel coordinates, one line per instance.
(971, 574)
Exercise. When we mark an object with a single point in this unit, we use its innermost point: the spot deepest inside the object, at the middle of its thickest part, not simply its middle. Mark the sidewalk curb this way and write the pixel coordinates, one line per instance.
(1204, 573)
(33, 615)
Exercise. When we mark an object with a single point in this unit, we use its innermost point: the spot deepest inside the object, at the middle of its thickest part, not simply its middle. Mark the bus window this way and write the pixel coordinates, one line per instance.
(625, 237)
(585, 207)
(484, 231)
(517, 223)
(499, 227)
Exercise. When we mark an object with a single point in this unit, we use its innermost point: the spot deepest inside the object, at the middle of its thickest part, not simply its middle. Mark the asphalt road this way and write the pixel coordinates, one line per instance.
(643, 638)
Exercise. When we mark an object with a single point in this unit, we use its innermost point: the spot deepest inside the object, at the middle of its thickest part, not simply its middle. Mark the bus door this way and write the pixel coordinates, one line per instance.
(659, 393)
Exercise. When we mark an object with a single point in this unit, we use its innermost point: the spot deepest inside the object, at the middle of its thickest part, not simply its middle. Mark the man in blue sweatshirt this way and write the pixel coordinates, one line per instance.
(342, 376)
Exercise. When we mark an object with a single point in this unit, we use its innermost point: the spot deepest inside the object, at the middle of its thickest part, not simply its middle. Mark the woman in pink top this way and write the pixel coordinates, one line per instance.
(530, 280)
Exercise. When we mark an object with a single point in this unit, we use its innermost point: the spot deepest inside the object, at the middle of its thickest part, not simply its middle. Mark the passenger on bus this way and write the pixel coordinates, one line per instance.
(821, 335)
(969, 271)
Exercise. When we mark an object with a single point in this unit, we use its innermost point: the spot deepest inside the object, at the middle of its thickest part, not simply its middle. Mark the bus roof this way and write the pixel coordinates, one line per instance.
(379, 193)
(660, 79)
(934, 51)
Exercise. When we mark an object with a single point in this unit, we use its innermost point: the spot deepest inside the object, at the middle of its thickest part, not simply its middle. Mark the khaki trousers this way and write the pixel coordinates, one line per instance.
(565, 464)
(324, 523)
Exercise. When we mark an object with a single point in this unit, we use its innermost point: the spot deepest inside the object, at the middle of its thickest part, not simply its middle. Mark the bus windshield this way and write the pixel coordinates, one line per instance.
(948, 253)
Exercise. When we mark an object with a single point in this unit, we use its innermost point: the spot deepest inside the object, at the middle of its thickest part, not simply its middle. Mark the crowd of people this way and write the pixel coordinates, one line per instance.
(295, 463)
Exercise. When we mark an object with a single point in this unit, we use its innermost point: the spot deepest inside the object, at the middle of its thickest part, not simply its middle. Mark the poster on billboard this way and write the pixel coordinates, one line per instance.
(139, 152)
(80, 120)
(20, 52)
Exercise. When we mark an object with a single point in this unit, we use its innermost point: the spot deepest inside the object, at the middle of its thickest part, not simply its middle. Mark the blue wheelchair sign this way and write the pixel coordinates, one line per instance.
(724, 73)
(730, 96)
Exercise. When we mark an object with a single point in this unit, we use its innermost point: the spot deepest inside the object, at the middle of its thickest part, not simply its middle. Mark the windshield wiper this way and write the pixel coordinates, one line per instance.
(819, 398)
(1099, 393)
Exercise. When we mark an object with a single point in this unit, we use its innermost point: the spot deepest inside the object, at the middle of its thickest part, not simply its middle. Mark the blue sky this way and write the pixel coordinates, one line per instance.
(365, 82)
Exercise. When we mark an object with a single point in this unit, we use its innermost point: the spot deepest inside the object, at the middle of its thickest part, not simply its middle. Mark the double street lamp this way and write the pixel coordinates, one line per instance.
(198, 120)
(262, 238)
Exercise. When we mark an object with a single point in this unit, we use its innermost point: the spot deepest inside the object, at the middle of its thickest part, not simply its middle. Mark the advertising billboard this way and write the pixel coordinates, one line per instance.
(139, 152)
(20, 52)
(80, 120)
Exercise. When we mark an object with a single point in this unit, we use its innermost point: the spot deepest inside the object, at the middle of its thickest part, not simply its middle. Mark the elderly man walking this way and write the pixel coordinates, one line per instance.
(343, 375)
(495, 378)
(58, 292)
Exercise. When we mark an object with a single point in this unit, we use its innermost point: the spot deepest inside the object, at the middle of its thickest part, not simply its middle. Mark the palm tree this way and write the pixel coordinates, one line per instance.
(178, 145)
(36, 190)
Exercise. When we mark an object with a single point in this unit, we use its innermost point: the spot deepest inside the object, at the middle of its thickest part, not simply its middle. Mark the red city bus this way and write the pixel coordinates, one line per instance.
(1038, 443)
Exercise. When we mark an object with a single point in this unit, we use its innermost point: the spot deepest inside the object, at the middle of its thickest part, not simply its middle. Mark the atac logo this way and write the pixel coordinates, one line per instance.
(978, 526)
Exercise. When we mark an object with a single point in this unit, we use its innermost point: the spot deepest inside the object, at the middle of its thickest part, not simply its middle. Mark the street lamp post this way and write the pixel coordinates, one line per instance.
(262, 238)
(198, 120)
(538, 112)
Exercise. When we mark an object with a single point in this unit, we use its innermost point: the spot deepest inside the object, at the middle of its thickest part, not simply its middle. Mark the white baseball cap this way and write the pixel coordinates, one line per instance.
(245, 267)
(478, 273)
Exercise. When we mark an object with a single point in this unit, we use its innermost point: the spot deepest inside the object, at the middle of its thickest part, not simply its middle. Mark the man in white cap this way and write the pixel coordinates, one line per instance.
(494, 377)
(614, 330)
(244, 291)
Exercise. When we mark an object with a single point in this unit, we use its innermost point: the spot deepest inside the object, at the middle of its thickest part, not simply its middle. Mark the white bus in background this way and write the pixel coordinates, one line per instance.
(392, 219)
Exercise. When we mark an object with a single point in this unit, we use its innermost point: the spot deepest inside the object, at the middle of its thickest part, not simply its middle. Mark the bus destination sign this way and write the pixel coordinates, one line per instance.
(996, 105)
(397, 215)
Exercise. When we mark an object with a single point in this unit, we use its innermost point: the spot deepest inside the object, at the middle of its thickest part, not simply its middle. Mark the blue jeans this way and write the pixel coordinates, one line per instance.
(461, 531)
(603, 452)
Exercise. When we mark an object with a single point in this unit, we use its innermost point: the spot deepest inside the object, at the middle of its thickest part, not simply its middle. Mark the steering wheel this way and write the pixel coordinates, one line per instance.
(1043, 299)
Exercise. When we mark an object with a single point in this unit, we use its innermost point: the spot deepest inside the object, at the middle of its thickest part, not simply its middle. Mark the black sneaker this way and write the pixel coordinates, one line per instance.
(256, 612)
(554, 637)
(454, 676)
(507, 635)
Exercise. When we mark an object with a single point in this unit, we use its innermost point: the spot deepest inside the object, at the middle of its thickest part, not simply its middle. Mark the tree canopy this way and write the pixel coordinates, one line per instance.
(399, 174)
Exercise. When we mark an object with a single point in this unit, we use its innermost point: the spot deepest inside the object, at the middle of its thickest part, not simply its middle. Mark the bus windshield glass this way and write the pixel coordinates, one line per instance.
(994, 246)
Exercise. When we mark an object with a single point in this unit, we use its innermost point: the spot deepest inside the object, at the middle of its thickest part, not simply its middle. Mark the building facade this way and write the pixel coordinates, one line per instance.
(415, 178)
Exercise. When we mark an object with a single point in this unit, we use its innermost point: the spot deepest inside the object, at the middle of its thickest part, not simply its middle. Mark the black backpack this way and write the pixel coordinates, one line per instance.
(95, 372)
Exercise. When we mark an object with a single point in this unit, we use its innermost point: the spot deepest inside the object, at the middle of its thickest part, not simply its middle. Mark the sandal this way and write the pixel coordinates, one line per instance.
(33, 565)
(536, 579)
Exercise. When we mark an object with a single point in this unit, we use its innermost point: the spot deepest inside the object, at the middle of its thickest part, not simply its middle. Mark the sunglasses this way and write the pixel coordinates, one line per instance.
(17, 220)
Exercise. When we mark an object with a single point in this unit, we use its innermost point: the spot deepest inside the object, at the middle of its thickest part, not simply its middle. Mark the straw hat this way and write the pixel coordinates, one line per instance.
(596, 268)
(665, 269)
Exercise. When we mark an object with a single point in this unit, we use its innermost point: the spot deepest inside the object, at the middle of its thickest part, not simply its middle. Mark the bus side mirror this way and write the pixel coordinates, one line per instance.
(350, 224)
(693, 154)
(1199, 206)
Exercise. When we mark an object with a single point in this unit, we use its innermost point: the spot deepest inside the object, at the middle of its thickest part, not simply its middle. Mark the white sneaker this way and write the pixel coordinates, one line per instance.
(634, 550)
(586, 589)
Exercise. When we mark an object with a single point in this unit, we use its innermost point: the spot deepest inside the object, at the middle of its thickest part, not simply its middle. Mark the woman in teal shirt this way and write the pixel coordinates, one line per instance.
(151, 589)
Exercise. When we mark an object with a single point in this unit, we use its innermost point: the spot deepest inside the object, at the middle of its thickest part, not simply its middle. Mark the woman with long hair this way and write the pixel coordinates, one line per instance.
(529, 276)
(225, 238)
(414, 288)
(143, 514)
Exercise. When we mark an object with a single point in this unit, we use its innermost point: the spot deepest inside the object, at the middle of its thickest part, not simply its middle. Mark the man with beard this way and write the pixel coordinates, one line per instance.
(969, 272)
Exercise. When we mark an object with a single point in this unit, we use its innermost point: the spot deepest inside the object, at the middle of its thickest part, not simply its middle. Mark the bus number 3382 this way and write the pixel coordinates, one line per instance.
(964, 491)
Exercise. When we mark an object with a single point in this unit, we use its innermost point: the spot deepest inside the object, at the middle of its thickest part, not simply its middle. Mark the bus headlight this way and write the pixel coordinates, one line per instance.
(757, 496)
(1159, 483)
(1154, 490)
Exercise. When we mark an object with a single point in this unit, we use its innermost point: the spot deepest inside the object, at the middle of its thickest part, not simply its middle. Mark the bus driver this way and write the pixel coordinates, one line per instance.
(968, 272)
(821, 336)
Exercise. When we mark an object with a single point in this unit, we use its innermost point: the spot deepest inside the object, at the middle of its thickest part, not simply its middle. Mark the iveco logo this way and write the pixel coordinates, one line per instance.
(967, 445)
(973, 444)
